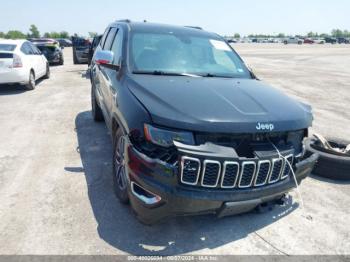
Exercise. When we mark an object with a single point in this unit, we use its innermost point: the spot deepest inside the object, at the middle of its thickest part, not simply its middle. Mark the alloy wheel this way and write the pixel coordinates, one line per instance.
(120, 164)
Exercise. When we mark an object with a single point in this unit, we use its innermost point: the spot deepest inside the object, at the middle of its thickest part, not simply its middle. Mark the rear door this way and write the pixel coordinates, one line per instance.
(30, 59)
(103, 73)
(115, 82)
(81, 47)
(40, 60)
(94, 74)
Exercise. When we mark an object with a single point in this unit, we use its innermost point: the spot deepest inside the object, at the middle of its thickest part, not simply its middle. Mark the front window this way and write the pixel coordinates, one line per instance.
(184, 54)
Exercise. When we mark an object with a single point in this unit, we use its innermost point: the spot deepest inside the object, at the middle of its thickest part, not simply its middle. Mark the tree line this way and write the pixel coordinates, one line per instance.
(333, 33)
(33, 33)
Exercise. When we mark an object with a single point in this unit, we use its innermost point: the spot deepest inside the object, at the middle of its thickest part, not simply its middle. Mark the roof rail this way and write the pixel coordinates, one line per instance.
(124, 20)
(194, 27)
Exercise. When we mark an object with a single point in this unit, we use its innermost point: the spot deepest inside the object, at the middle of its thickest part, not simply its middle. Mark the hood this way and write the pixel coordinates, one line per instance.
(222, 105)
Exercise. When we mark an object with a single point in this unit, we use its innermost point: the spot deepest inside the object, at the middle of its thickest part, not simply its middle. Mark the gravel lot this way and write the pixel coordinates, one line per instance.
(55, 188)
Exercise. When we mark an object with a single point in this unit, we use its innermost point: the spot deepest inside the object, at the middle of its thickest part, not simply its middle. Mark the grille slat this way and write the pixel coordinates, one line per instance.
(277, 165)
(286, 169)
(230, 174)
(211, 173)
(190, 168)
(263, 172)
(247, 174)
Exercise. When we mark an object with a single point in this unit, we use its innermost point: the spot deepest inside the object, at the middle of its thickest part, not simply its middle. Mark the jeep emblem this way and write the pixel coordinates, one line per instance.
(265, 126)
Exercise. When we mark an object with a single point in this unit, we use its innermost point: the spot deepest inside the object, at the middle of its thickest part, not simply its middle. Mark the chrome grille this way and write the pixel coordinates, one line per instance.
(233, 174)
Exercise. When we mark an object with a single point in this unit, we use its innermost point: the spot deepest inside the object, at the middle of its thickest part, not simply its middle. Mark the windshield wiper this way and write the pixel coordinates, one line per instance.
(163, 73)
(215, 75)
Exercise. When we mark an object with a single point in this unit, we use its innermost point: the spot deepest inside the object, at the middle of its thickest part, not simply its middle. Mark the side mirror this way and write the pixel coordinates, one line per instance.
(105, 58)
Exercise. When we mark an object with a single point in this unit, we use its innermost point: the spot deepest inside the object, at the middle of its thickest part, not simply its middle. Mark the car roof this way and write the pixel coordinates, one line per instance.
(12, 42)
(156, 27)
(45, 44)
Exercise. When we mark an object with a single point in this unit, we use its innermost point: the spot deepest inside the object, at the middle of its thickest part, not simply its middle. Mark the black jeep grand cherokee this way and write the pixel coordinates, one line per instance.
(193, 130)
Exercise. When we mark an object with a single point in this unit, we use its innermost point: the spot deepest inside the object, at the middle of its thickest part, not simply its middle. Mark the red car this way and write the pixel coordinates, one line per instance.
(309, 41)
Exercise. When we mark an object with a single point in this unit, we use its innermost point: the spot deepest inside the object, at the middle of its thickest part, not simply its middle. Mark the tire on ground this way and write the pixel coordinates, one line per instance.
(330, 164)
(31, 81)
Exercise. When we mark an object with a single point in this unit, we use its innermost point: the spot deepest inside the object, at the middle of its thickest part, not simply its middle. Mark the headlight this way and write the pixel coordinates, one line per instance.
(163, 137)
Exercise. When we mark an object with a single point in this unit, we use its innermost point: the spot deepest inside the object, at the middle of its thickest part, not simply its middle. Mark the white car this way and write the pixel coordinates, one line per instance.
(293, 40)
(22, 62)
(319, 41)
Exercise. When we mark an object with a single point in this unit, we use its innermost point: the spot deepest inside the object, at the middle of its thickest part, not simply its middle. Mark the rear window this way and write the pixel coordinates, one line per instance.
(46, 49)
(7, 47)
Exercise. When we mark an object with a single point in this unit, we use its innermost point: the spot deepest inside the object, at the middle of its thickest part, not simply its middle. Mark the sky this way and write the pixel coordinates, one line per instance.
(225, 17)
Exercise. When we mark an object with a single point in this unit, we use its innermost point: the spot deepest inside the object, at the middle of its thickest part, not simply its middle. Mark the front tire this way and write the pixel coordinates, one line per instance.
(120, 179)
(31, 83)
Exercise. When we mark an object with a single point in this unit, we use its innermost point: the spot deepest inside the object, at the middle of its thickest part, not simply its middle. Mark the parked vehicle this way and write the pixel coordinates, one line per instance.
(193, 130)
(232, 41)
(293, 40)
(81, 47)
(309, 41)
(273, 40)
(53, 53)
(343, 40)
(64, 42)
(331, 40)
(319, 41)
(96, 40)
(21, 62)
(245, 40)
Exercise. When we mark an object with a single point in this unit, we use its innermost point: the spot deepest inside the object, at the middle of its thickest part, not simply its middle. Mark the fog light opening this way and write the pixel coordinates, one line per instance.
(144, 195)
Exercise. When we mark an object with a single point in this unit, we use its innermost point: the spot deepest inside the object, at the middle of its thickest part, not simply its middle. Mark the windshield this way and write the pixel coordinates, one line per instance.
(7, 47)
(164, 53)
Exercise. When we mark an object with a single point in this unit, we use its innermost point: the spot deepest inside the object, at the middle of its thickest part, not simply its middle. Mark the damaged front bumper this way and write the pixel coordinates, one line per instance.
(156, 190)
